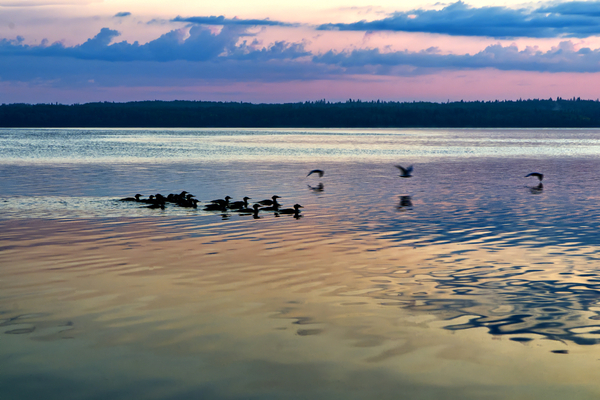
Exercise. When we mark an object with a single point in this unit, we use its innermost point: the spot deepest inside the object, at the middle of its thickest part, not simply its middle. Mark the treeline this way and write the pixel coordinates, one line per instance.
(559, 113)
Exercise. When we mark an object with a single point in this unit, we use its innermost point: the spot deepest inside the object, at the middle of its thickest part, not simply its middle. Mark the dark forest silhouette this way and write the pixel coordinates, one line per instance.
(559, 113)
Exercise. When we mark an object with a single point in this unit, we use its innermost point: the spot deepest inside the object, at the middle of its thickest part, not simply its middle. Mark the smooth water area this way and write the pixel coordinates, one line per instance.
(465, 281)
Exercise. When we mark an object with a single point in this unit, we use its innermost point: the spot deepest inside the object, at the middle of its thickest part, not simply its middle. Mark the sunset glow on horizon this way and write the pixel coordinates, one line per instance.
(71, 51)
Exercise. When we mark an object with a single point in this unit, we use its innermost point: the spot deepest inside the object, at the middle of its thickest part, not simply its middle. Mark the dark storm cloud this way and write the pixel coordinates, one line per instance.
(573, 19)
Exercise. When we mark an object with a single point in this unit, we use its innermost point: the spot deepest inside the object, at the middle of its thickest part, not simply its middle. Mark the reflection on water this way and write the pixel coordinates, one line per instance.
(405, 203)
(464, 282)
(537, 189)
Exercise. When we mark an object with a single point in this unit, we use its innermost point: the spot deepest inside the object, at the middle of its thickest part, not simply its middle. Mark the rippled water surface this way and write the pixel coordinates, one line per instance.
(466, 281)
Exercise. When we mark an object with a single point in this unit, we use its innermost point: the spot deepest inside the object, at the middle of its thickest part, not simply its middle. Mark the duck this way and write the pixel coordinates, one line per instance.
(247, 211)
(222, 201)
(218, 206)
(274, 207)
(150, 199)
(236, 205)
(294, 210)
(156, 205)
(188, 201)
(271, 202)
(135, 198)
(174, 198)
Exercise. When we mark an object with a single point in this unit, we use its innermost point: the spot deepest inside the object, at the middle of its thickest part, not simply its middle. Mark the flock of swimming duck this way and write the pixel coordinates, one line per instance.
(186, 199)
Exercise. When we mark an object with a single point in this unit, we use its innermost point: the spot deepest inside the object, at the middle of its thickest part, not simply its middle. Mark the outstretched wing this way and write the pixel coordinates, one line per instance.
(405, 171)
(316, 171)
(536, 174)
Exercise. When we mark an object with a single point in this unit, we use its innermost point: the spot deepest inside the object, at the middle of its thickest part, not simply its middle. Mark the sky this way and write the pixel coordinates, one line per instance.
(266, 51)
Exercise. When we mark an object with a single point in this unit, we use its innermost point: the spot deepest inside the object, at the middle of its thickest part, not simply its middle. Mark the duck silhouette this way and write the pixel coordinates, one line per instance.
(222, 201)
(236, 205)
(294, 210)
(216, 206)
(250, 211)
(268, 202)
(135, 198)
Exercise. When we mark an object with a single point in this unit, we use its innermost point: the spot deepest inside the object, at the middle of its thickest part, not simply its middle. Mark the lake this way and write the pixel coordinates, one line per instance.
(467, 280)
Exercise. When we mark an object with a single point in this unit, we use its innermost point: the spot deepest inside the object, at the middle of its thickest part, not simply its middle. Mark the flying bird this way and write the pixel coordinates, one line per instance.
(536, 174)
(405, 172)
(317, 171)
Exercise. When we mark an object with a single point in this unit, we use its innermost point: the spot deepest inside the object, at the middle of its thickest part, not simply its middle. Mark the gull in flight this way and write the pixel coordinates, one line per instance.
(317, 171)
(536, 174)
(405, 172)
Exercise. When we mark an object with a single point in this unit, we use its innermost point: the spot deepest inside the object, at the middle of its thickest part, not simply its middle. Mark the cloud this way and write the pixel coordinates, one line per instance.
(76, 74)
(221, 20)
(573, 19)
(45, 3)
(122, 14)
(562, 58)
(280, 50)
(585, 8)
(197, 44)
(200, 45)
(199, 56)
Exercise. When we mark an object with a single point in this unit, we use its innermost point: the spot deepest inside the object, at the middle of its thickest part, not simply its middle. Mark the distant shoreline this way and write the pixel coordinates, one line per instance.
(559, 113)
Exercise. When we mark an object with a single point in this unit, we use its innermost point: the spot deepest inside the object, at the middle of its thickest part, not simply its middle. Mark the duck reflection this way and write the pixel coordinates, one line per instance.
(405, 203)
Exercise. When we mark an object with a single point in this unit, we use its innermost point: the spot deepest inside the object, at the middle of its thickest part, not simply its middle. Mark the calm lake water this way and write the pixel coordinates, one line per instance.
(465, 281)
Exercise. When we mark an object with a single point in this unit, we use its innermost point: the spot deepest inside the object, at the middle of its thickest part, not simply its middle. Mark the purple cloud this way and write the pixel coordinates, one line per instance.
(180, 58)
(563, 58)
(200, 45)
(221, 20)
(574, 19)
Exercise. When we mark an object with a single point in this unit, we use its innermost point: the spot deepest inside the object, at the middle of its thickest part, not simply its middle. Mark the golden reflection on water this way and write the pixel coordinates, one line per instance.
(258, 308)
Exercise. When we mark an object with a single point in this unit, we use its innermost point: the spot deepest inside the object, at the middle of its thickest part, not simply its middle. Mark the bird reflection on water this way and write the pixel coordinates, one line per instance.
(405, 203)
(463, 295)
(539, 188)
(319, 188)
